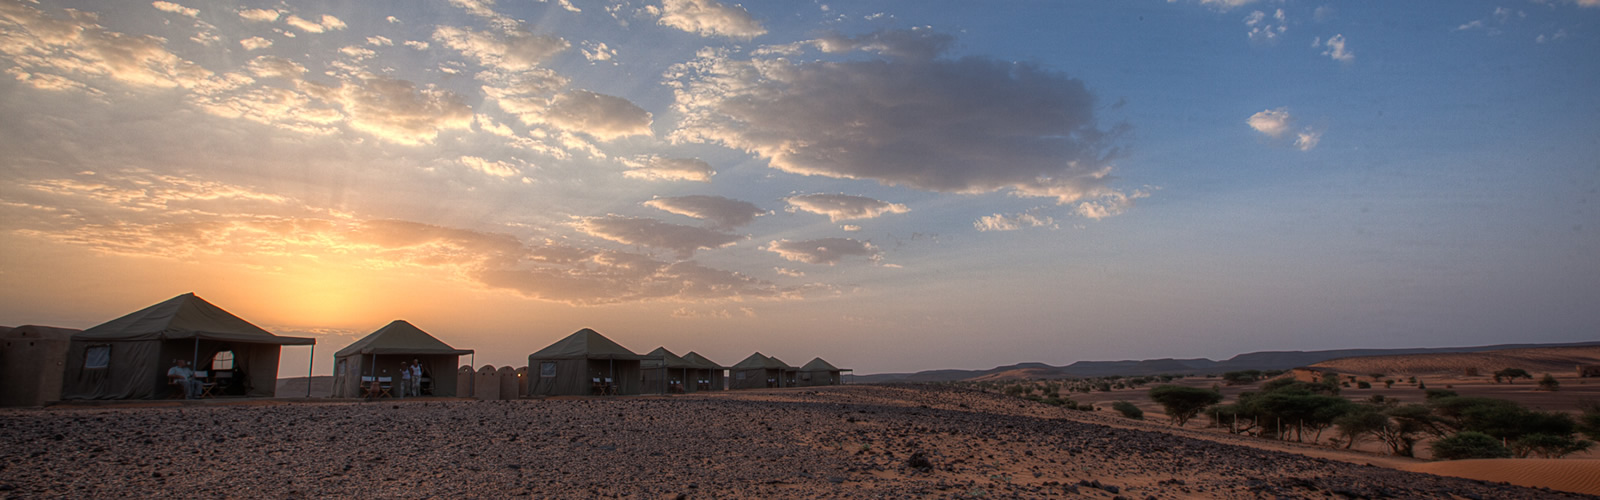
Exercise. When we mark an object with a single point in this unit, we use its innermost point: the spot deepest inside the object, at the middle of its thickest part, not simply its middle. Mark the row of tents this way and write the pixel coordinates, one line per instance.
(128, 358)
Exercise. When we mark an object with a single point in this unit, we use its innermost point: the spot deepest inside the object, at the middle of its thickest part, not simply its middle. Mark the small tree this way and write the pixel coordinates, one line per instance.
(1363, 385)
(1360, 421)
(1469, 445)
(1388, 384)
(1406, 425)
(1128, 410)
(1511, 375)
(1183, 403)
(1548, 445)
(1549, 383)
(1589, 421)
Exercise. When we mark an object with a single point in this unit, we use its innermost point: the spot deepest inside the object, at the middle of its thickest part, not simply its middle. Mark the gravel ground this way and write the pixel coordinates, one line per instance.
(835, 442)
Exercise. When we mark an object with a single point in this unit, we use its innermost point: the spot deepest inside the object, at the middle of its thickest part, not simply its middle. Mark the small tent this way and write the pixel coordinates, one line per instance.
(757, 372)
(32, 361)
(380, 353)
(665, 372)
(710, 376)
(128, 357)
(819, 372)
(585, 362)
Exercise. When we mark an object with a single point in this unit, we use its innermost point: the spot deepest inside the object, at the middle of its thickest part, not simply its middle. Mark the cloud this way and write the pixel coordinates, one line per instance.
(397, 111)
(511, 51)
(684, 240)
(260, 15)
(669, 169)
(722, 213)
(490, 167)
(784, 271)
(175, 8)
(1221, 4)
(255, 43)
(840, 207)
(824, 251)
(915, 43)
(1273, 122)
(710, 18)
(1264, 29)
(275, 67)
(1013, 222)
(1307, 139)
(1109, 205)
(603, 116)
(327, 23)
(1336, 49)
(598, 51)
(80, 46)
(972, 125)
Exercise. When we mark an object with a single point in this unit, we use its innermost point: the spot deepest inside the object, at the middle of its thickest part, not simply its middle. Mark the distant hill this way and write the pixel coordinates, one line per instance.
(1264, 360)
(1558, 360)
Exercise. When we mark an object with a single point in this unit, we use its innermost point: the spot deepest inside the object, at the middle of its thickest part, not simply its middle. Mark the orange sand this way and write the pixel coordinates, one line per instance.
(1565, 474)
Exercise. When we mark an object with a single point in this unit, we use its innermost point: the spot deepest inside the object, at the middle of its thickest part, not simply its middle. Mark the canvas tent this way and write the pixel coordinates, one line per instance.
(572, 365)
(32, 360)
(380, 353)
(711, 373)
(665, 372)
(819, 372)
(791, 374)
(757, 372)
(128, 357)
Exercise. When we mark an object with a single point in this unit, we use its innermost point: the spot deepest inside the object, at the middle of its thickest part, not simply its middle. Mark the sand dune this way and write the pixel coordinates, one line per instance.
(1565, 474)
(1557, 360)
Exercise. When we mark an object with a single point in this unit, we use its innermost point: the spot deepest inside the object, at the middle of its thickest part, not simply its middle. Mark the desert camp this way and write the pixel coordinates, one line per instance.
(358, 368)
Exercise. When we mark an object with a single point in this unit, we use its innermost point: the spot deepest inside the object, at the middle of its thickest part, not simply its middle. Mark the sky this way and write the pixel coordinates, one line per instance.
(889, 185)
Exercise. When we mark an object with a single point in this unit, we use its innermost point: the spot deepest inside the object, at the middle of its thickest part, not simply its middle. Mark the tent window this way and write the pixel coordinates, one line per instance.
(547, 369)
(97, 357)
(222, 361)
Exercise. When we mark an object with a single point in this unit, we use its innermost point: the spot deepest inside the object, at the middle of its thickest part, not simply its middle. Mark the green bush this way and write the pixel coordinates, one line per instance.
(1183, 403)
(1469, 444)
(1128, 410)
(1549, 383)
(1363, 385)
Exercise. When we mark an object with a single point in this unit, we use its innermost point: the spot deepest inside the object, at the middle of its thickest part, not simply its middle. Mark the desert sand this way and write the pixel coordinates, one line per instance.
(1561, 361)
(834, 442)
(1564, 474)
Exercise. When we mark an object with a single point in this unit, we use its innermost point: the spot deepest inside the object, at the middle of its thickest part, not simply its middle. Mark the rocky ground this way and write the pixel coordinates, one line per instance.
(836, 442)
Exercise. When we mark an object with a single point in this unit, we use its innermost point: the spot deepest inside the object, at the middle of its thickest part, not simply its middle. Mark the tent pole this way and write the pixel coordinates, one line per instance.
(193, 366)
(309, 359)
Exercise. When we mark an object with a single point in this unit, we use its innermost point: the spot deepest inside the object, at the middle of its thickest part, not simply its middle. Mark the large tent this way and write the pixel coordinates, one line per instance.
(819, 372)
(380, 354)
(573, 365)
(128, 357)
(757, 372)
(665, 372)
(710, 370)
(31, 363)
(791, 373)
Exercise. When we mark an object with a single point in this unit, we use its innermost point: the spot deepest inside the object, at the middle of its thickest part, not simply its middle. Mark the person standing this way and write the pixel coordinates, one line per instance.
(405, 379)
(416, 377)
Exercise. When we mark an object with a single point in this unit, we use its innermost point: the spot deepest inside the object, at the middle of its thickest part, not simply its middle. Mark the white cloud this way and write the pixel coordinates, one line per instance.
(1273, 122)
(78, 46)
(327, 23)
(512, 51)
(379, 41)
(255, 43)
(1221, 4)
(972, 125)
(710, 18)
(784, 271)
(840, 207)
(849, 228)
(670, 169)
(490, 167)
(722, 213)
(684, 240)
(598, 51)
(1307, 139)
(175, 8)
(417, 45)
(1109, 205)
(1264, 29)
(1013, 222)
(603, 116)
(824, 251)
(275, 67)
(915, 43)
(1336, 49)
(260, 15)
(397, 111)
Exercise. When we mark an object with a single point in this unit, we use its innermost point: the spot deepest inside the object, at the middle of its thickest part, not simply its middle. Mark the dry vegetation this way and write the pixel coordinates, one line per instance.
(835, 442)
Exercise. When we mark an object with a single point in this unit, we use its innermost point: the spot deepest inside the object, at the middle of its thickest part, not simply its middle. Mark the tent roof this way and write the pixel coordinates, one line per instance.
(818, 365)
(701, 361)
(661, 357)
(186, 316)
(760, 361)
(585, 344)
(39, 332)
(399, 337)
(778, 363)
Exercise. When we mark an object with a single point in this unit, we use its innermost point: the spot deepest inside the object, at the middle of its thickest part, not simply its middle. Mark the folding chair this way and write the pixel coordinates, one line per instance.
(611, 388)
(597, 388)
(224, 382)
(369, 386)
(385, 386)
(205, 385)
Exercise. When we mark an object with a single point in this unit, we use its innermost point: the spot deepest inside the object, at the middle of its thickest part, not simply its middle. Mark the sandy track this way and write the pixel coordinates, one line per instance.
(837, 442)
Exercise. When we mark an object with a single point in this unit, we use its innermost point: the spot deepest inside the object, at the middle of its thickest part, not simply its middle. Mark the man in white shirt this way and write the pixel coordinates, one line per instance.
(416, 377)
(182, 375)
(405, 379)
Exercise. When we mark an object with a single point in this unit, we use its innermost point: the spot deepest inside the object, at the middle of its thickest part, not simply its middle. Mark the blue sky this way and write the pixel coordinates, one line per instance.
(892, 186)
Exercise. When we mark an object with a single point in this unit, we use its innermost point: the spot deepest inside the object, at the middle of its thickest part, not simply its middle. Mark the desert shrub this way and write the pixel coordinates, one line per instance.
(1589, 420)
(1422, 385)
(1298, 410)
(1500, 418)
(1241, 377)
(1407, 424)
(1549, 383)
(1511, 375)
(1128, 410)
(1432, 394)
(1359, 421)
(1363, 385)
(1183, 403)
(1548, 445)
(1388, 384)
(1469, 444)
